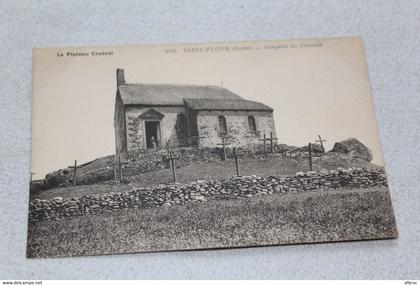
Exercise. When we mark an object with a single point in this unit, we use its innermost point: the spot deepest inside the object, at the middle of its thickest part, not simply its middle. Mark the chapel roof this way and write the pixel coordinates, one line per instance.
(226, 104)
(198, 97)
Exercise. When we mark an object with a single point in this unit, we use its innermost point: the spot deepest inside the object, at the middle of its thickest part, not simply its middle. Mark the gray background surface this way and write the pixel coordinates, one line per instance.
(391, 33)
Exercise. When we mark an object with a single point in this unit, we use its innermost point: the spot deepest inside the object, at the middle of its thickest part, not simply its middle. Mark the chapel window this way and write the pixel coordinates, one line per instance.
(251, 124)
(222, 125)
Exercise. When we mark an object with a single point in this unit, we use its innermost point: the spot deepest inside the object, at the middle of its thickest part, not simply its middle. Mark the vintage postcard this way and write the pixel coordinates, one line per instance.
(199, 146)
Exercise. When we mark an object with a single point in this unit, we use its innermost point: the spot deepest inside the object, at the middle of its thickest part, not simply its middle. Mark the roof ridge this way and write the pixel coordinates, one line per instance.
(225, 104)
(179, 94)
(218, 99)
(177, 84)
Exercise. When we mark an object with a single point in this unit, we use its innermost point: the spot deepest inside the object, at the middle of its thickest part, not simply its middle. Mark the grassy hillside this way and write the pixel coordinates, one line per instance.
(330, 215)
(275, 166)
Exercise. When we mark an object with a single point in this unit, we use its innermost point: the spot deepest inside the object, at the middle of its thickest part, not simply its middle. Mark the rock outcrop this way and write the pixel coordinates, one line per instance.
(354, 148)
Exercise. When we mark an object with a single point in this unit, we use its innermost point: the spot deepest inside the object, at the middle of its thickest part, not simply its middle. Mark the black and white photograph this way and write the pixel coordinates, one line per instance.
(204, 146)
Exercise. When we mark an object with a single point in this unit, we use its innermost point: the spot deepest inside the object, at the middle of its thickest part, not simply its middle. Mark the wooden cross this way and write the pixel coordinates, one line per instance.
(271, 140)
(74, 172)
(172, 164)
(320, 140)
(118, 163)
(310, 156)
(264, 141)
(236, 155)
(224, 144)
(113, 168)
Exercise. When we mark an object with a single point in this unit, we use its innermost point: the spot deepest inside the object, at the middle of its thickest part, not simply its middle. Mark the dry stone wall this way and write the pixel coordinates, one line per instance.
(201, 191)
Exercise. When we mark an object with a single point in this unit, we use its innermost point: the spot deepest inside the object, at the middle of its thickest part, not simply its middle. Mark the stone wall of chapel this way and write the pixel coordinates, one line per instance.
(238, 132)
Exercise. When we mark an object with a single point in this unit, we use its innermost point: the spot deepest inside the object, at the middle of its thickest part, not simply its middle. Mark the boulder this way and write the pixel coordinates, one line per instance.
(354, 148)
(38, 185)
(56, 178)
(317, 148)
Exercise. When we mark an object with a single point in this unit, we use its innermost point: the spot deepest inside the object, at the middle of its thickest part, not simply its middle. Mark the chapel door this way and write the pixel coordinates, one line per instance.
(152, 134)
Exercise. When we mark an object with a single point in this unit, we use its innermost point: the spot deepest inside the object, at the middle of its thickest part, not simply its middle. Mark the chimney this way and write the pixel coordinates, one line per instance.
(120, 77)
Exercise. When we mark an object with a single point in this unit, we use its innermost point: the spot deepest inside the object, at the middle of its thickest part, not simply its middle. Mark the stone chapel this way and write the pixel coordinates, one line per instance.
(158, 115)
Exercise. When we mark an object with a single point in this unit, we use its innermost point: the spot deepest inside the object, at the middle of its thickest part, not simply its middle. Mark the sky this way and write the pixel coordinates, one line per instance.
(315, 86)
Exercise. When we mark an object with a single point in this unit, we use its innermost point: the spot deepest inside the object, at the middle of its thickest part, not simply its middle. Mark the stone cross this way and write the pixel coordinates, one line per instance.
(74, 172)
(320, 140)
(224, 144)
